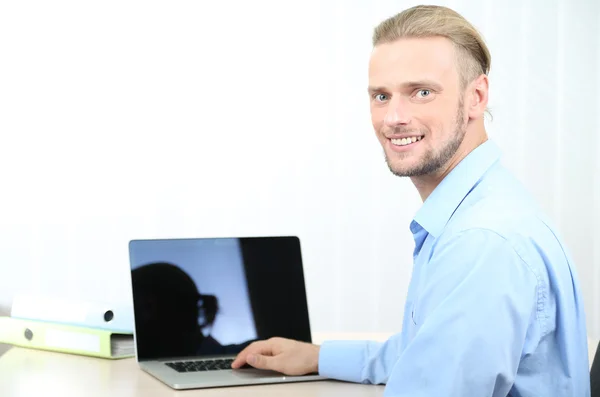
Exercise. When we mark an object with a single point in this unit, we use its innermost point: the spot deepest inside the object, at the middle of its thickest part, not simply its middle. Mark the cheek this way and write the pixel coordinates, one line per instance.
(432, 125)
(377, 116)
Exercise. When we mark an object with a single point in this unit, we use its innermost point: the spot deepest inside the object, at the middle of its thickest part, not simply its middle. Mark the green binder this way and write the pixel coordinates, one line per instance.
(66, 338)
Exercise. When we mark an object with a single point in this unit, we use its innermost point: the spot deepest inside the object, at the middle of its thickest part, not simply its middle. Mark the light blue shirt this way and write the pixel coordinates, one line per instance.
(494, 306)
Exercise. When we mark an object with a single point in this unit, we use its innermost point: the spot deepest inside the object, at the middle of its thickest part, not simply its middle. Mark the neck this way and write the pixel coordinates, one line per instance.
(426, 184)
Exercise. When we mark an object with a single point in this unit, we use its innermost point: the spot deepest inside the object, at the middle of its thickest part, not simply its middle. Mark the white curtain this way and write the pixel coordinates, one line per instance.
(124, 120)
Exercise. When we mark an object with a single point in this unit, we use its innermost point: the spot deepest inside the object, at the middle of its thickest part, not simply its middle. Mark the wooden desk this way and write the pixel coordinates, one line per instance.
(32, 373)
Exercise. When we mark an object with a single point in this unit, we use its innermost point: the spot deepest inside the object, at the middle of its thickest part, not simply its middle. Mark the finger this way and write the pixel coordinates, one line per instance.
(263, 362)
(260, 347)
(240, 359)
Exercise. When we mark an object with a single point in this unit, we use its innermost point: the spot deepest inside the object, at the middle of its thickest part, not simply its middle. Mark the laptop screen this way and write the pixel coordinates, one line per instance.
(214, 296)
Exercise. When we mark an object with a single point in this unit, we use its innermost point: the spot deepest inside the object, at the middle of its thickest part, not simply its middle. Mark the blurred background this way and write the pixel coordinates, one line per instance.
(126, 120)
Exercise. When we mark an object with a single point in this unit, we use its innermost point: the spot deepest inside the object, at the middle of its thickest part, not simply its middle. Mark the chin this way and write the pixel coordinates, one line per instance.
(403, 170)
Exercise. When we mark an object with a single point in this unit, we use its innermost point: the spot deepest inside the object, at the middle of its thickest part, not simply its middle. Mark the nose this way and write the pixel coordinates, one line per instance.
(397, 113)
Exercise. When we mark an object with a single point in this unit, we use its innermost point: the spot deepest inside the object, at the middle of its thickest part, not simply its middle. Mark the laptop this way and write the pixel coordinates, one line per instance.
(198, 302)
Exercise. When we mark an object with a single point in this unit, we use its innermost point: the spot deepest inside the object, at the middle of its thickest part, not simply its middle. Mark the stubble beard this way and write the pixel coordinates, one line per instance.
(432, 161)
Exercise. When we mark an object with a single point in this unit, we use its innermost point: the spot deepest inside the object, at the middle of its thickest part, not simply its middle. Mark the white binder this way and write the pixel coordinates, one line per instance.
(101, 315)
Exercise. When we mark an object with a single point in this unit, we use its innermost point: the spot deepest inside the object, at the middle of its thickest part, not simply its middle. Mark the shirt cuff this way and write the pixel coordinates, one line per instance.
(342, 360)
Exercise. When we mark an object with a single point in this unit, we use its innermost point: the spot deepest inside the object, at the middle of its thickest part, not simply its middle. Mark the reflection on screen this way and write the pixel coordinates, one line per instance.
(215, 296)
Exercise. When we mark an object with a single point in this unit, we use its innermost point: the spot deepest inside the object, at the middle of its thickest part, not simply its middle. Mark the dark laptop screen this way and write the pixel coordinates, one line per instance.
(212, 297)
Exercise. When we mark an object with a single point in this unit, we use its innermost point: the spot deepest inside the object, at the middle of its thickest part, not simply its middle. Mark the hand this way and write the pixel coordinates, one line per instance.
(286, 356)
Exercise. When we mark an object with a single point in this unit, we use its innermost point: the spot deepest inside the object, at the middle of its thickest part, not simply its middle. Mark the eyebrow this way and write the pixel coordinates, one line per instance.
(412, 85)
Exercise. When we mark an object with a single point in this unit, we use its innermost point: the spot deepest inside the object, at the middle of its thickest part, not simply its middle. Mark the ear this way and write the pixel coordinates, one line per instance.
(478, 97)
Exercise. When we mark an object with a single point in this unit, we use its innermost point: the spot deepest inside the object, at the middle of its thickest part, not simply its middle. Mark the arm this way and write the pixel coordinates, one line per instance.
(342, 360)
(359, 361)
(473, 317)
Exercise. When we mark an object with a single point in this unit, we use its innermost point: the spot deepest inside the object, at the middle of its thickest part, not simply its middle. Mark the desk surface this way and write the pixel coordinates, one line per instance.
(32, 373)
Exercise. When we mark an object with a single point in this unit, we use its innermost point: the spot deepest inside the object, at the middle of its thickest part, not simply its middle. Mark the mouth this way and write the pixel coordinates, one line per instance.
(402, 144)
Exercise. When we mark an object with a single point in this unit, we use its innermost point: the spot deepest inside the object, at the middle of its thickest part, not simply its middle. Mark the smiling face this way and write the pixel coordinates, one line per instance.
(417, 104)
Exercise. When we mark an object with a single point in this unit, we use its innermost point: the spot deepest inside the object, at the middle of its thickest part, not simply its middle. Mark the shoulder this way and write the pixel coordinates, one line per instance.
(484, 253)
(506, 226)
(502, 207)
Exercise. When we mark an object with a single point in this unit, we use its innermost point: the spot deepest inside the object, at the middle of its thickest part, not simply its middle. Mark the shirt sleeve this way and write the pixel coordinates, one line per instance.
(359, 361)
(476, 304)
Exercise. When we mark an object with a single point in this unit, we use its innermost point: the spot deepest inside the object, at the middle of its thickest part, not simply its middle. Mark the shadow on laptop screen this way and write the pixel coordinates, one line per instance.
(214, 296)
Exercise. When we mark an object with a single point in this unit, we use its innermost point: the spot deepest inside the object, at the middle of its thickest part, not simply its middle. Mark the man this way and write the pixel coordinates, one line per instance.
(494, 306)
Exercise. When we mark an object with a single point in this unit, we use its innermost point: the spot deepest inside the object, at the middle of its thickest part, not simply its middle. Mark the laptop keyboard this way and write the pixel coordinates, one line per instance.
(204, 365)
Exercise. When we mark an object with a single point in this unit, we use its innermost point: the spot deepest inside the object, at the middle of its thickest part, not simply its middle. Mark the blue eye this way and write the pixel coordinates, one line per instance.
(380, 97)
(425, 93)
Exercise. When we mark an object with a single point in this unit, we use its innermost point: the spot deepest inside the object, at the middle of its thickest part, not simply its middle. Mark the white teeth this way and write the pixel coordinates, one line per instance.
(406, 141)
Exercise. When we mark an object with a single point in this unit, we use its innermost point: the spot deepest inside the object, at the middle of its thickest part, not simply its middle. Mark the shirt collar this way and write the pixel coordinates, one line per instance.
(447, 196)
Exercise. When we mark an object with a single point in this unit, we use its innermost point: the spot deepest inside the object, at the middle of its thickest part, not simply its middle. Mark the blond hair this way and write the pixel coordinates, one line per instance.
(473, 55)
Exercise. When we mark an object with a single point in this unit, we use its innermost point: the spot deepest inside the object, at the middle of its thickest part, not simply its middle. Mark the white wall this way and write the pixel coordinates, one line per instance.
(123, 120)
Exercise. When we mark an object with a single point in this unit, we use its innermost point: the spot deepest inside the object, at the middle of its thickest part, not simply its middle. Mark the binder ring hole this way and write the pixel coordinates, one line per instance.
(109, 315)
